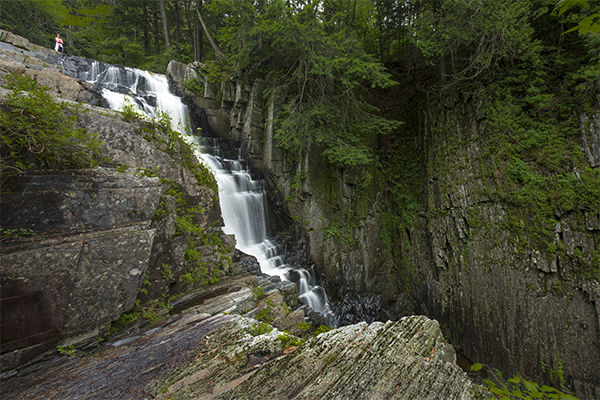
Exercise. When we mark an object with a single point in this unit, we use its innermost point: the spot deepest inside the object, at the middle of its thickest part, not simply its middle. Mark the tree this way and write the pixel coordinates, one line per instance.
(322, 66)
(36, 20)
(591, 23)
(468, 39)
(128, 32)
(198, 36)
(165, 23)
(218, 53)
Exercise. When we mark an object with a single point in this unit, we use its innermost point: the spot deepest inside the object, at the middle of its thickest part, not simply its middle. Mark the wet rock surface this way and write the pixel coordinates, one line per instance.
(216, 350)
(121, 367)
(102, 234)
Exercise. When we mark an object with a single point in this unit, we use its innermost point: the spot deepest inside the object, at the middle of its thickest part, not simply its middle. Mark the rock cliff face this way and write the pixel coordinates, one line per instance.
(87, 271)
(101, 235)
(501, 295)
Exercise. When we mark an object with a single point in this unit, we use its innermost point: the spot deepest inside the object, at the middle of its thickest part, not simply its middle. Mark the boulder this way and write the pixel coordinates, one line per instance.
(207, 352)
(407, 359)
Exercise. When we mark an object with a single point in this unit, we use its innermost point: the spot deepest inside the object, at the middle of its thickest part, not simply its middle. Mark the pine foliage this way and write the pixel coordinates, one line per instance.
(322, 67)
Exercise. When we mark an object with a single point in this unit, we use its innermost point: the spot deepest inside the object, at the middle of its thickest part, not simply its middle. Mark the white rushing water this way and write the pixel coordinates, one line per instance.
(242, 199)
(244, 210)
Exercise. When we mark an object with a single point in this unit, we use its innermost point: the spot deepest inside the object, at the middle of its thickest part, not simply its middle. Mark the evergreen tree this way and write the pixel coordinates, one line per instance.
(314, 55)
(37, 20)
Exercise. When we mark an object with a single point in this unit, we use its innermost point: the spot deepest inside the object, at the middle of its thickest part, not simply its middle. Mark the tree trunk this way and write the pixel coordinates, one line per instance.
(218, 53)
(156, 41)
(145, 26)
(198, 37)
(193, 29)
(198, 43)
(177, 25)
(165, 23)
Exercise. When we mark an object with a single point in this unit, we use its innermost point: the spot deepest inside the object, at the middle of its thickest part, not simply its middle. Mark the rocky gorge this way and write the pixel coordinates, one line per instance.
(509, 283)
(109, 248)
(101, 242)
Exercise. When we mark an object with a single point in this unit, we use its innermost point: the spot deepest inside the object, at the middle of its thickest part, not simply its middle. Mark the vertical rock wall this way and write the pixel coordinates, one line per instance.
(499, 295)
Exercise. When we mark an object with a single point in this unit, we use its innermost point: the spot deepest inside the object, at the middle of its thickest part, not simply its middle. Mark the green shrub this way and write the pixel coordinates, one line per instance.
(68, 351)
(265, 315)
(166, 272)
(130, 111)
(38, 132)
(303, 326)
(322, 329)
(17, 233)
(289, 341)
(258, 292)
(124, 321)
(196, 86)
(151, 315)
(260, 329)
(519, 387)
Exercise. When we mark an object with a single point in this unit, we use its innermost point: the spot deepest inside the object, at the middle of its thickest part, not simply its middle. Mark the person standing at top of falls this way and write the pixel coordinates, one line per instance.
(58, 43)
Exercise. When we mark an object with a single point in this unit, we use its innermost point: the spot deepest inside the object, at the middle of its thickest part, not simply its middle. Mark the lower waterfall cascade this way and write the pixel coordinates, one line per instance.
(242, 199)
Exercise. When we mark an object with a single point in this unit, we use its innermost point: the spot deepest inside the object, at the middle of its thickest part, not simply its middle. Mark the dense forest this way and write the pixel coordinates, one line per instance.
(353, 72)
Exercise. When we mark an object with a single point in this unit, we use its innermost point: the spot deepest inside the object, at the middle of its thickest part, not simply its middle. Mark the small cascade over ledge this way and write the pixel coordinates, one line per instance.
(242, 199)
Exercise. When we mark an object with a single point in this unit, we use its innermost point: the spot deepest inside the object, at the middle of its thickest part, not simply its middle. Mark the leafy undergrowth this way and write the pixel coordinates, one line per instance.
(519, 387)
(40, 133)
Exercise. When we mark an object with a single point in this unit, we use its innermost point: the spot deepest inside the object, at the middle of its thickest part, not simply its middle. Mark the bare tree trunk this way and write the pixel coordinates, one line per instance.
(218, 53)
(192, 30)
(186, 9)
(198, 37)
(198, 43)
(177, 25)
(165, 23)
(145, 24)
(156, 42)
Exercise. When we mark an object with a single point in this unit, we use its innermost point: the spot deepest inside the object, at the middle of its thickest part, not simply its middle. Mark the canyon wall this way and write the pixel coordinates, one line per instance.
(468, 258)
(506, 292)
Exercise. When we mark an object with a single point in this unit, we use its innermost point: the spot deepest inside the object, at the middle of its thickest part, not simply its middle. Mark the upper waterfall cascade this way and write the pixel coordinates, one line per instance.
(242, 199)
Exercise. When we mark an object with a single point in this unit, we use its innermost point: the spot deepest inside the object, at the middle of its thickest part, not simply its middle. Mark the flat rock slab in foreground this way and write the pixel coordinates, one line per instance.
(196, 355)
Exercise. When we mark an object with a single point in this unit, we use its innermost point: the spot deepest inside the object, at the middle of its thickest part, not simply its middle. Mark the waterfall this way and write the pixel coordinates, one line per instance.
(242, 199)
(148, 91)
(244, 210)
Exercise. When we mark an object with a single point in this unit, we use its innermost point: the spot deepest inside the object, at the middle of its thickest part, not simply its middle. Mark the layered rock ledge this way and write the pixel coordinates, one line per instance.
(216, 350)
(99, 241)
